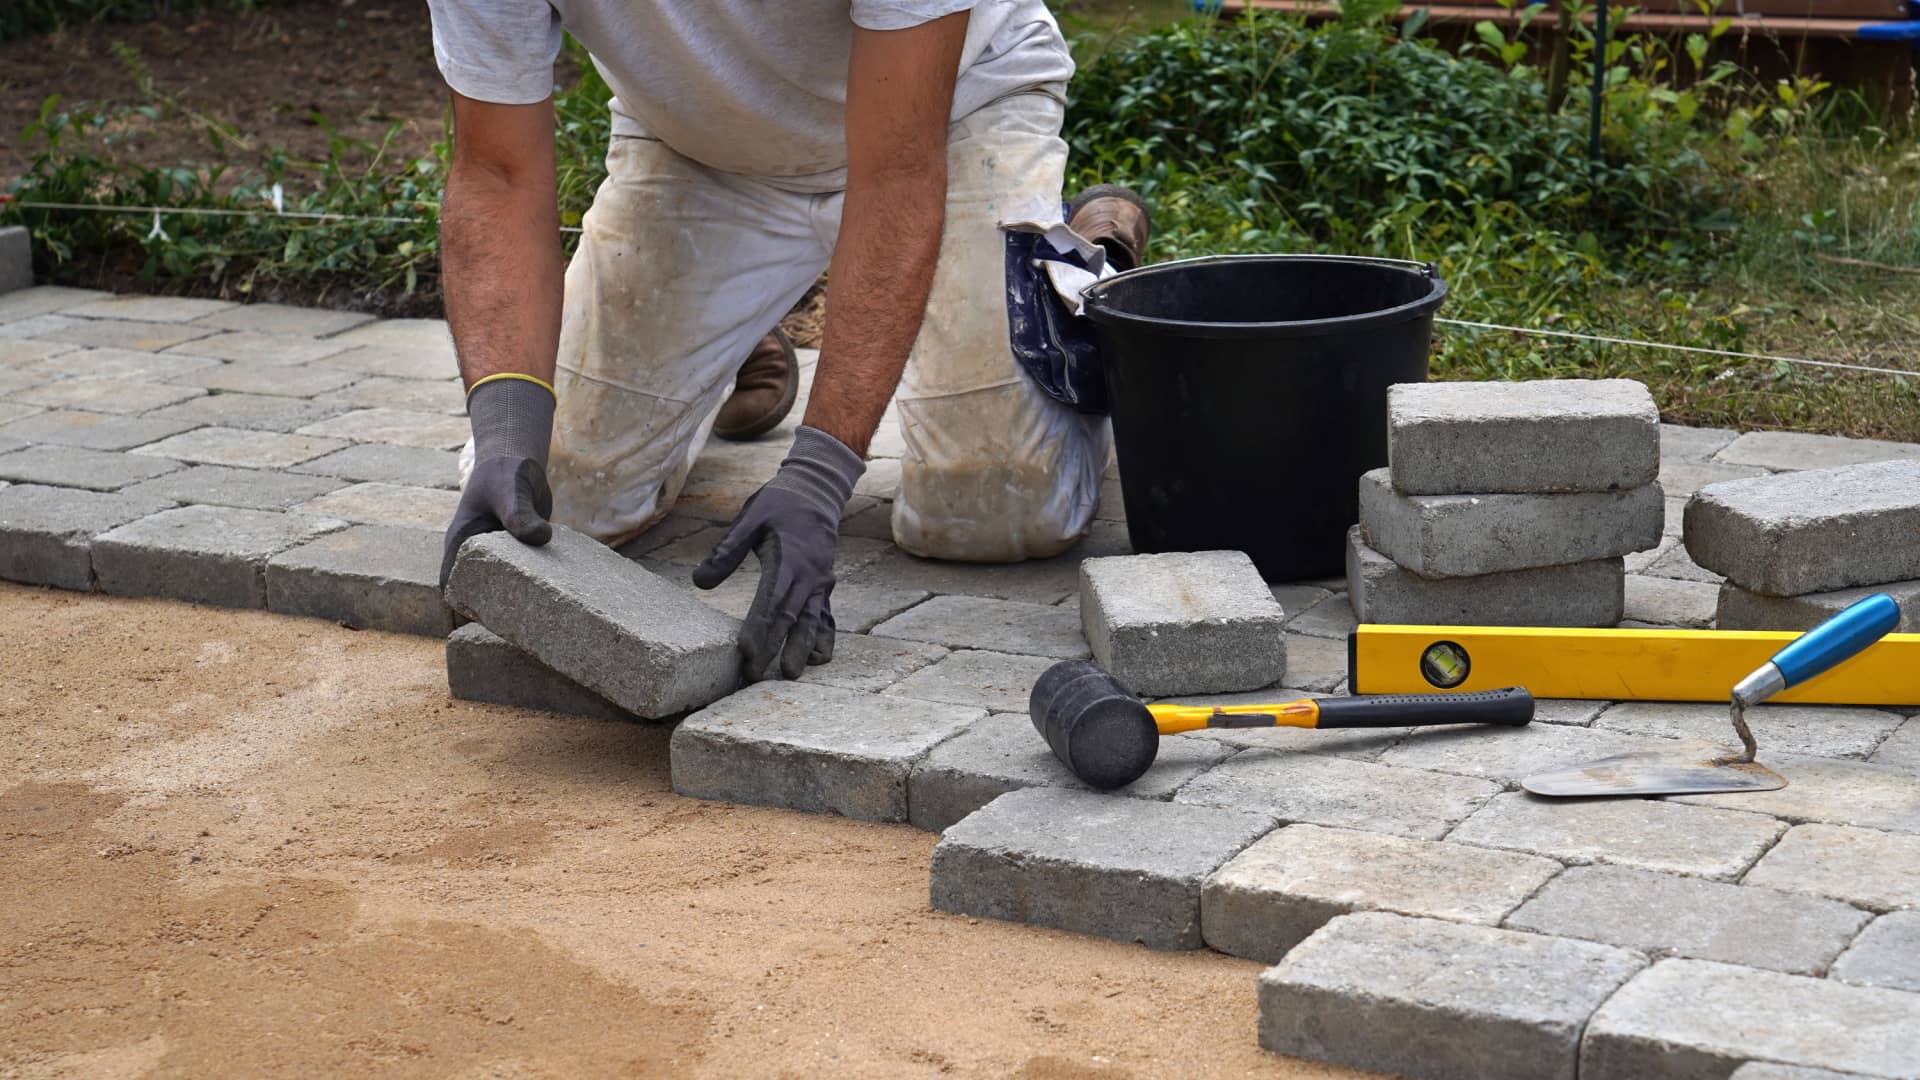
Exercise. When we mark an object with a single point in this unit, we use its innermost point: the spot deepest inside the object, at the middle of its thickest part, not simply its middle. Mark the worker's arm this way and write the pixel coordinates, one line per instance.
(899, 97)
(501, 271)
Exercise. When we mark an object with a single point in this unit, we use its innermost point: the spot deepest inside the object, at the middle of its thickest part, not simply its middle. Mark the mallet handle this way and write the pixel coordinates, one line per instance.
(1512, 706)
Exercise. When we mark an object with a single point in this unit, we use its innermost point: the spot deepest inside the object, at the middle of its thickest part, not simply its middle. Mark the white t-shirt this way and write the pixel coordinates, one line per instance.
(757, 87)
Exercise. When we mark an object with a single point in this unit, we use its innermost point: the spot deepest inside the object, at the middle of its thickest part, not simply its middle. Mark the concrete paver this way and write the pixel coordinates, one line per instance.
(201, 554)
(241, 448)
(1183, 623)
(1643, 833)
(1812, 531)
(369, 577)
(68, 466)
(1524, 437)
(1319, 789)
(481, 666)
(1452, 536)
(1886, 954)
(1876, 870)
(972, 622)
(47, 533)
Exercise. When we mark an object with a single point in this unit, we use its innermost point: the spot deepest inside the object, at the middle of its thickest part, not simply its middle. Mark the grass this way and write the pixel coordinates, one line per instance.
(1726, 214)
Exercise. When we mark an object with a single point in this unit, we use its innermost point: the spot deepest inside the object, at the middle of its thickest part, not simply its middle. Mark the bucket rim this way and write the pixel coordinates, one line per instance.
(1092, 296)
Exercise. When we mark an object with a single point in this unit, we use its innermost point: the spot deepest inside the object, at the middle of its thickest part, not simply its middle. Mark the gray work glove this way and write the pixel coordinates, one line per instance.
(793, 525)
(507, 489)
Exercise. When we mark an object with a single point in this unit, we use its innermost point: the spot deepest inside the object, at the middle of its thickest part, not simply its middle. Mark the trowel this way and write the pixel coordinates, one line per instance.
(1680, 773)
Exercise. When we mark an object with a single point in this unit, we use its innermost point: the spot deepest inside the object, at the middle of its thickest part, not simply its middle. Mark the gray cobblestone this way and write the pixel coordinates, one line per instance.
(1182, 623)
(396, 363)
(601, 621)
(387, 504)
(26, 352)
(1691, 443)
(425, 335)
(1330, 618)
(1705, 920)
(1683, 478)
(871, 664)
(1876, 870)
(241, 448)
(119, 334)
(1550, 435)
(1583, 594)
(989, 680)
(1506, 755)
(411, 466)
(117, 364)
(1002, 753)
(970, 622)
(1885, 954)
(802, 746)
(1447, 536)
(1832, 791)
(1679, 566)
(1295, 599)
(1824, 730)
(1276, 893)
(255, 412)
(252, 489)
(1640, 833)
(368, 577)
(1438, 1000)
(108, 395)
(201, 554)
(1901, 751)
(1794, 450)
(272, 349)
(67, 466)
(1129, 869)
(1316, 664)
(1670, 602)
(1693, 1018)
(481, 666)
(1738, 609)
(434, 431)
(444, 396)
(42, 299)
(93, 431)
(1810, 531)
(46, 533)
(16, 259)
(858, 607)
(1319, 789)
(158, 309)
(285, 320)
(280, 380)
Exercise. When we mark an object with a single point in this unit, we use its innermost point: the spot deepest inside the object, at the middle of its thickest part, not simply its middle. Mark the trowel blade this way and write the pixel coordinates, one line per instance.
(1651, 773)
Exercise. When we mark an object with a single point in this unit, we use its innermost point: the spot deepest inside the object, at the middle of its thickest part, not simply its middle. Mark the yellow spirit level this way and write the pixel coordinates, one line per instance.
(1614, 665)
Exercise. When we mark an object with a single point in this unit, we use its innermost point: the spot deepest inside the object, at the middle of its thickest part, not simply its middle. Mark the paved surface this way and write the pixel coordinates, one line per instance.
(244, 455)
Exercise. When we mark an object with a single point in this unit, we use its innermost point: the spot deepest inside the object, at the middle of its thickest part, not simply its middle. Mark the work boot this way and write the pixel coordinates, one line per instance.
(763, 392)
(1116, 218)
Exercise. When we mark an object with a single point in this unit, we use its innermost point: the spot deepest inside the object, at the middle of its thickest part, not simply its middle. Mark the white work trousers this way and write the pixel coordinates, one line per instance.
(681, 269)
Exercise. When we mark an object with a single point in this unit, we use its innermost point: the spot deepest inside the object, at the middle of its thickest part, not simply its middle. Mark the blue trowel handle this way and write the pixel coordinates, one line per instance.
(1837, 639)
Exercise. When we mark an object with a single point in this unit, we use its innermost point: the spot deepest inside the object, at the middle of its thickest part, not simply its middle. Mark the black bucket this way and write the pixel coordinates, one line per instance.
(1249, 392)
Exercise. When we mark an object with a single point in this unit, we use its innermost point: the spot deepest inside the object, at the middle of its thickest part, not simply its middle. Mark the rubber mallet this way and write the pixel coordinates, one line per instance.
(1109, 738)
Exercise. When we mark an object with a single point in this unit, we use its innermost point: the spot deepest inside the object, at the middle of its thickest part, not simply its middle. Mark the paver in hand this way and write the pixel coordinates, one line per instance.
(1448, 536)
(600, 620)
(1549, 435)
(1439, 1000)
(1691, 1018)
(46, 533)
(1288, 884)
(1129, 869)
(1183, 623)
(802, 746)
(368, 577)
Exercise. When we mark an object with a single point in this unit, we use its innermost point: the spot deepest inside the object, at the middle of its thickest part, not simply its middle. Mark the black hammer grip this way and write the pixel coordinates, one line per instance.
(1512, 706)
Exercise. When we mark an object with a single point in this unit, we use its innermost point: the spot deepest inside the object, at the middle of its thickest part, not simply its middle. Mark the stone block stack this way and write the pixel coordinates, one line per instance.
(1507, 504)
(1797, 547)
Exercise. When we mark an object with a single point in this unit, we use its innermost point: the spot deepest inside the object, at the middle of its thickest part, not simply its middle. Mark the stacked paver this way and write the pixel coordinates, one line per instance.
(1507, 504)
(1798, 547)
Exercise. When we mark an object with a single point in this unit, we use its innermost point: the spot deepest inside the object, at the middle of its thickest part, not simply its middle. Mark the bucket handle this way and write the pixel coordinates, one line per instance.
(1427, 268)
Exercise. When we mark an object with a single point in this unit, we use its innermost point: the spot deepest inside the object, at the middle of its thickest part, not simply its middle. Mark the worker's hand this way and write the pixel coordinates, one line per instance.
(793, 525)
(512, 424)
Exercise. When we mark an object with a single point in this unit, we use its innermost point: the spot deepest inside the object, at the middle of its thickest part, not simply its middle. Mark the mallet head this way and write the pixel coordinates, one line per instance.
(1098, 730)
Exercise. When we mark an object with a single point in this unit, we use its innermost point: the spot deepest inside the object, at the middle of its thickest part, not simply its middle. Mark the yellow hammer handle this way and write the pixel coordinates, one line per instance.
(1174, 719)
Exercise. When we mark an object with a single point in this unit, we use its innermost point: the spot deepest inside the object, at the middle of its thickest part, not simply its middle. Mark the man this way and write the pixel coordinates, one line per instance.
(890, 142)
